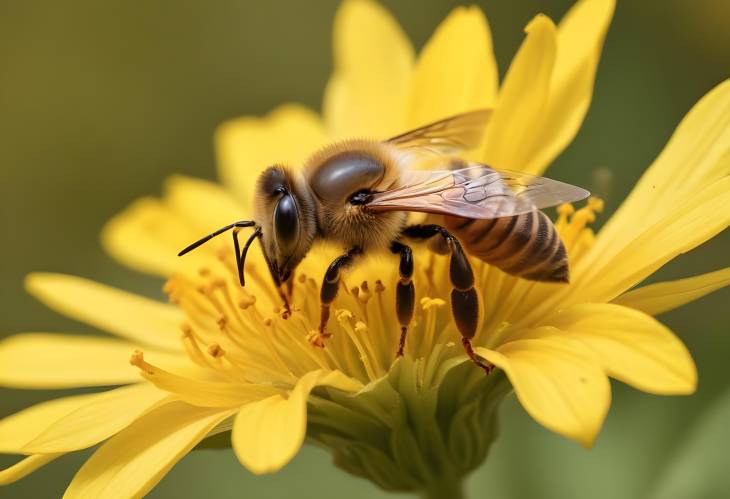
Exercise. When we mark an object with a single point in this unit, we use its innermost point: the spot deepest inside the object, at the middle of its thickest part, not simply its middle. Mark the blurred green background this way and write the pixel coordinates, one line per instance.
(100, 101)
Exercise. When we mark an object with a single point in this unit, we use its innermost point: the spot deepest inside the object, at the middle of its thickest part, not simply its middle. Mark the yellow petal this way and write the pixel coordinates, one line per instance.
(246, 146)
(696, 157)
(203, 204)
(558, 382)
(520, 109)
(136, 459)
(25, 467)
(456, 71)
(104, 415)
(130, 316)
(580, 40)
(633, 347)
(268, 433)
(148, 235)
(367, 93)
(20, 428)
(691, 223)
(661, 297)
(41, 360)
(200, 392)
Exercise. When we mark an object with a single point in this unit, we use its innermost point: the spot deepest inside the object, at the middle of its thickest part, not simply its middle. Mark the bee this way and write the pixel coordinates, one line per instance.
(358, 193)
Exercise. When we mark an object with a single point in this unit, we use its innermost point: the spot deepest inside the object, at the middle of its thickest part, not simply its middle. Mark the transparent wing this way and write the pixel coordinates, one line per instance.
(457, 133)
(476, 191)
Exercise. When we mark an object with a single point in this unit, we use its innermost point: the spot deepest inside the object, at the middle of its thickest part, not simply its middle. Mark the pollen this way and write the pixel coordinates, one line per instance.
(365, 293)
(427, 303)
(317, 339)
(573, 225)
(215, 350)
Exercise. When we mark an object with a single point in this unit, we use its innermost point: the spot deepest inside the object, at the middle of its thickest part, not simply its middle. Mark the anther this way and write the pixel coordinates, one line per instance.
(566, 209)
(267, 321)
(428, 303)
(302, 278)
(222, 322)
(365, 293)
(317, 339)
(379, 288)
(246, 302)
(596, 204)
(344, 315)
(215, 350)
(137, 360)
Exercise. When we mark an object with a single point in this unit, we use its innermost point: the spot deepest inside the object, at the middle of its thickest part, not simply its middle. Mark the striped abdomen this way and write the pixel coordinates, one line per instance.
(525, 245)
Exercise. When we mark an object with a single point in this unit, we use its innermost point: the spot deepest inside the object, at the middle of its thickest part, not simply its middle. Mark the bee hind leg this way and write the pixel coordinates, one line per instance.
(464, 299)
(405, 295)
(328, 292)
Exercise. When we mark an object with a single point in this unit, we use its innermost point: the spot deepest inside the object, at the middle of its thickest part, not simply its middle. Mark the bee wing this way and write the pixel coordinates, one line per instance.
(476, 191)
(460, 132)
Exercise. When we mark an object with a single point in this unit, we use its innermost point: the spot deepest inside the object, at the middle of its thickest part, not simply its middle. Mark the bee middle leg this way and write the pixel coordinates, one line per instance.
(330, 286)
(405, 294)
(464, 299)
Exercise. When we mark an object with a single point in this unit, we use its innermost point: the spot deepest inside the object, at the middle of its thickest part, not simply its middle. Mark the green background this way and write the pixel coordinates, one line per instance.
(100, 101)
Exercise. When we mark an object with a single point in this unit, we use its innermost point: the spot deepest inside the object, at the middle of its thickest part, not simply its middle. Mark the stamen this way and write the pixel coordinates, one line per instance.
(137, 360)
(570, 232)
(191, 346)
(272, 349)
(215, 350)
(344, 317)
(365, 293)
(316, 338)
(431, 307)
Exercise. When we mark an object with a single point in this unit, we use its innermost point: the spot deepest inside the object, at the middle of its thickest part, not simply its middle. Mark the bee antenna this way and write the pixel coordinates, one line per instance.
(240, 260)
(244, 223)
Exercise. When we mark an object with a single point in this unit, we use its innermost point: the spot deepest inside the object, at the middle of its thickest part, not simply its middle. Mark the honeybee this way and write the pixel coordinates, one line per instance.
(357, 194)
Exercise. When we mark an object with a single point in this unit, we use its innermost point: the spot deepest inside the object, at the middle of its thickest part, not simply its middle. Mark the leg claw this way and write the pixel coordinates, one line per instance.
(480, 361)
(317, 338)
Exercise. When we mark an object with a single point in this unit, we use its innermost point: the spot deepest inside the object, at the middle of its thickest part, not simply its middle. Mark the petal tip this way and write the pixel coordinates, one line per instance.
(540, 22)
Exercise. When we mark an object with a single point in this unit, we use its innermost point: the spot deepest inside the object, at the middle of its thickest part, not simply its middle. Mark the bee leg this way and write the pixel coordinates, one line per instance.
(405, 295)
(464, 299)
(330, 286)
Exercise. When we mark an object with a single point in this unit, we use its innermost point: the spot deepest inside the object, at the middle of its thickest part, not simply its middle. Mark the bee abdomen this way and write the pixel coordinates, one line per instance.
(525, 245)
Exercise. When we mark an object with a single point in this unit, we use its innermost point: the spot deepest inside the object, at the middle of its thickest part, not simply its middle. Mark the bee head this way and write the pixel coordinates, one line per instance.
(284, 210)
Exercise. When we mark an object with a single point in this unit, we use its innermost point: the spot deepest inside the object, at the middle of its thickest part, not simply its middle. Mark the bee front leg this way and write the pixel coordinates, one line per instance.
(405, 294)
(328, 293)
(464, 299)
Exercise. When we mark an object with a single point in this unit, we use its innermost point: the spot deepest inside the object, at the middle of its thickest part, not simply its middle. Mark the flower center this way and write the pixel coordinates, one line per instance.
(244, 334)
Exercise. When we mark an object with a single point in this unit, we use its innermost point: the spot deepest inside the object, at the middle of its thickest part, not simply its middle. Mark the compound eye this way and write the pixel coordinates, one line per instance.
(286, 224)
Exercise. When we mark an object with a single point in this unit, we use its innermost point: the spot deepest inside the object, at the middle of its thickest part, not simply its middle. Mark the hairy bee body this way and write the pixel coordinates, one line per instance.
(524, 245)
(358, 194)
(346, 168)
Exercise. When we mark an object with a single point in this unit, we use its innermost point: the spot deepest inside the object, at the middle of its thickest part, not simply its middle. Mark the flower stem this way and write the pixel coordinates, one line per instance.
(446, 488)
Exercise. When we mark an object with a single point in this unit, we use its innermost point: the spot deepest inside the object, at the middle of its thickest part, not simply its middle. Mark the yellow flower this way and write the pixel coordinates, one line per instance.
(220, 357)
